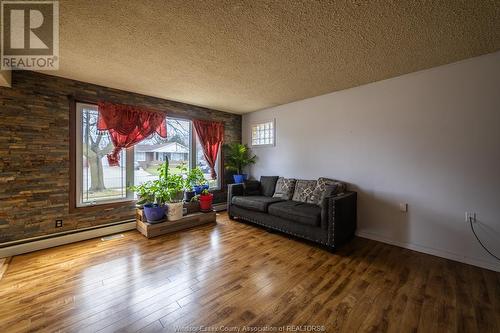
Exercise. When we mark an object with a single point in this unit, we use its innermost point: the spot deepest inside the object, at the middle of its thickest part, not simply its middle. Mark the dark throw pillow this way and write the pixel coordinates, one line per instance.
(251, 187)
(268, 184)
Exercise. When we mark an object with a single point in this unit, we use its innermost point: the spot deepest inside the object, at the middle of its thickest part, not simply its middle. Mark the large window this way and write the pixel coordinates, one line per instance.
(97, 182)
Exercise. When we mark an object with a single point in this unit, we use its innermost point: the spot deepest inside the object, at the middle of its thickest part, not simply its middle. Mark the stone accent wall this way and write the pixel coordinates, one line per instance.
(34, 151)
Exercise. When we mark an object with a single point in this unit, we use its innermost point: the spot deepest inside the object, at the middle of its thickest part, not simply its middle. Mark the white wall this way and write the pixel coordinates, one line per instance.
(430, 138)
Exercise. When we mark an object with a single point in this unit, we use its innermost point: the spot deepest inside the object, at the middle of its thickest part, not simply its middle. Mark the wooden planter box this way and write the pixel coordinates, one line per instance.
(192, 207)
(164, 227)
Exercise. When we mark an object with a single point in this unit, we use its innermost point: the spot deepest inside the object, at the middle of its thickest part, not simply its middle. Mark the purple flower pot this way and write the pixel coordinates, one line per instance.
(154, 212)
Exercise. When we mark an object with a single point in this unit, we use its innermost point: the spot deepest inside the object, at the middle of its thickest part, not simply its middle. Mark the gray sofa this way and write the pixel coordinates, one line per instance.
(322, 210)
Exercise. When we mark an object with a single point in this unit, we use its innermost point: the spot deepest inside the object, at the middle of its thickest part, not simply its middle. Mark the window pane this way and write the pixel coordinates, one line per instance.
(155, 150)
(99, 181)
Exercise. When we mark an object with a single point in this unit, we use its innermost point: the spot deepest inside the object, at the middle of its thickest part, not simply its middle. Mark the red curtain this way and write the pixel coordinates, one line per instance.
(211, 135)
(128, 125)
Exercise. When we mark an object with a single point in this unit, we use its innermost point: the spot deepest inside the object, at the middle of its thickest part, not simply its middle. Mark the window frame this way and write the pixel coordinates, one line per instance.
(74, 206)
(273, 133)
(129, 164)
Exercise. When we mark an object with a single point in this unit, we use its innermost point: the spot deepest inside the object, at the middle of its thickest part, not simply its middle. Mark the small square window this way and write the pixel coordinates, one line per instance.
(263, 134)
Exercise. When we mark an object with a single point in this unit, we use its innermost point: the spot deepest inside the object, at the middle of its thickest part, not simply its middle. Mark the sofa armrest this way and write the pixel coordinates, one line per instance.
(233, 190)
(339, 217)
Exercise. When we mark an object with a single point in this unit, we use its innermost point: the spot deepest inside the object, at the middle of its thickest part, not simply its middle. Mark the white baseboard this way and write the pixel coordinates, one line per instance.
(431, 251)
(46, 243)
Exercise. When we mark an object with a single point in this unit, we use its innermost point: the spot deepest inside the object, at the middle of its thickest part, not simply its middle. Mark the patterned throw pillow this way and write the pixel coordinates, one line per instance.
(326, 187)
(284, 188)
(303, 190)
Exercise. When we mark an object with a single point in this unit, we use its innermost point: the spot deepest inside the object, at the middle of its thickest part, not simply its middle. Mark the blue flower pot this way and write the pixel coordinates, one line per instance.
(154, 212)
(238, 179)
(198, 189)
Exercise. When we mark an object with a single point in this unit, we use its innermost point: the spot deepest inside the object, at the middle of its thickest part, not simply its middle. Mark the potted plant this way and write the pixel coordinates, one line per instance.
(206, 198)
(151, 200)
(155, 211)
(196, 180)
(144, 193)
(159, 195)
(172, 186)
(238, 157)
(175, 195)
(187, 180)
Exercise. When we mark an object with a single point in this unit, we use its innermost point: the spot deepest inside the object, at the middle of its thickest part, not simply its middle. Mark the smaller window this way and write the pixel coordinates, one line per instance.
(263, 134)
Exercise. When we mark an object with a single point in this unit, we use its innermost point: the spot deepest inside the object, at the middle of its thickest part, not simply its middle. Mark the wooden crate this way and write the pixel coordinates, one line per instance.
(156, 229)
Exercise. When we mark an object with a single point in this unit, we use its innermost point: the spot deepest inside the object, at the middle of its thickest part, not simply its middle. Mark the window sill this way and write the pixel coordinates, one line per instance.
(263, 146)
(103, 206)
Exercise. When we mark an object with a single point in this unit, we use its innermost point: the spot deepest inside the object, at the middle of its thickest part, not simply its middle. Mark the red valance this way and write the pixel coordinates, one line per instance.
(211, 136)
(128, 125)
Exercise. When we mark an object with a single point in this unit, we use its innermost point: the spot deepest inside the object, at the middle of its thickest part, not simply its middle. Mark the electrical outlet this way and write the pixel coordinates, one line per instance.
(403, 207)
(470, 216)
(59, 223)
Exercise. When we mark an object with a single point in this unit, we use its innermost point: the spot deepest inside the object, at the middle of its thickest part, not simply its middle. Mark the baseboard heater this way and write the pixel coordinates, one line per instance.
(220, 207)
(14, 248)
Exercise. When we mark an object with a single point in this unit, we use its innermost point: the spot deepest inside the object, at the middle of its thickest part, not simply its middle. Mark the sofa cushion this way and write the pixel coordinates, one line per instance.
(284, 188)
(258, 203)
(325, 187)
(251, 187)
(303, 190)
(267, 185)
(299, 212)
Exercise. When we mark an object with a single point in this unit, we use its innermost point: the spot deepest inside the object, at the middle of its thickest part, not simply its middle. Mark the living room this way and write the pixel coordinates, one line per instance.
(292, 166)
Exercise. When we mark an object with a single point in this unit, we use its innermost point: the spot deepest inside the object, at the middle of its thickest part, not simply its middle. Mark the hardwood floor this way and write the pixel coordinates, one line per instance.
(236, 275)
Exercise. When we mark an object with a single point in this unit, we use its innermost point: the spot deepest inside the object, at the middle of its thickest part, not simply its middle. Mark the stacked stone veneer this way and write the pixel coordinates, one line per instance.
(34, 151)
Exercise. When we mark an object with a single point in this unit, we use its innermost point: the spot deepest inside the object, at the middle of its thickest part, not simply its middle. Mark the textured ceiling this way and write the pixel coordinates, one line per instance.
(241, 56)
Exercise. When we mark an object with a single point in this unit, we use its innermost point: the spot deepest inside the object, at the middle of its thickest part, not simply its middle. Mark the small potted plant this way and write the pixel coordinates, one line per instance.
(159, 195)
(175, 195)
(206, 198)
(238, 157)
(144, 193)
(155, 211)
(196, 180)
(150, 198)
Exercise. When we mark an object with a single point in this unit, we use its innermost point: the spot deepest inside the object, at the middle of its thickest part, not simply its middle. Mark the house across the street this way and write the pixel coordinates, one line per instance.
(155, 154)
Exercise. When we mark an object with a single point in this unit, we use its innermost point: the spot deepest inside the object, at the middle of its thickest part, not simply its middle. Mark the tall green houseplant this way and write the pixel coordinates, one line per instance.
(238, 156)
